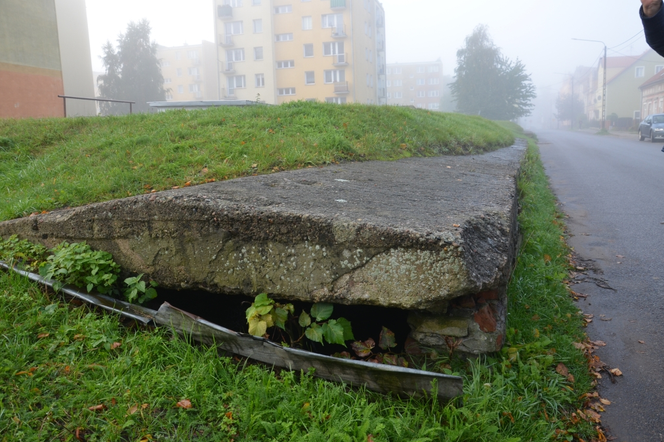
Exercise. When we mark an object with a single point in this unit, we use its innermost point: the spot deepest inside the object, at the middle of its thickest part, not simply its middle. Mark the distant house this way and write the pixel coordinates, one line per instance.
(44, 52)
(190, 72)
(652, 95)
(419, 85)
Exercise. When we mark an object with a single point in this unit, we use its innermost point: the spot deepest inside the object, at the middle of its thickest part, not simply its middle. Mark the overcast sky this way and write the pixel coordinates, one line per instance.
(536, 31)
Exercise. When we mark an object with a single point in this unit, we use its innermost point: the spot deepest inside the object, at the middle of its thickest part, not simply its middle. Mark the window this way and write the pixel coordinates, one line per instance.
(235, 55)
(258, 26)
(286, 91)
(309, 50)
(177, 55)
(398, 83)
(333, 48)
(165, 64)
(285, 64)
(433, 68)
(178, 72)
(167, 80)
(421, 69)
(389, 95)
(169, 96)
(433, 93)
(307, 23)
(658, 68)
(192, 55)
(260, 80)
(332, 20)
(233, 3)
(193, 71)
(421, 94)
(234, 28)
(398, 95)
(309, 77)
(412, 88)
(236, 82)
(283, 9)
(421, 81)
(434, 106)
(370, 56)
(336, 100)
(389, 83)
(258, 53)
(180, 89)
(639, 72)
(397, 71)
(255, 2)
(284, 37)
(335, 76)
(389, 71)
(434, 80)
(193, 88)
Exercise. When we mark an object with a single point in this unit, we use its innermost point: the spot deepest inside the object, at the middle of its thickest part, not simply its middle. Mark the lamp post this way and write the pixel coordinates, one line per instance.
(604, 80)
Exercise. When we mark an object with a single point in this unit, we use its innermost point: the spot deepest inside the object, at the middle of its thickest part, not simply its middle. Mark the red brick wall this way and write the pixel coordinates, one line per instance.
(30, 92)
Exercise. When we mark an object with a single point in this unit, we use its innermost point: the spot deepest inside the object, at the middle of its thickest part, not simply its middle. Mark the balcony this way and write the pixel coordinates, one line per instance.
(198, 94)
(226, 41)
(380, 22)
(339, 32)
(338, 4)
(341, 60)
(229, 68)
(380, 46)
(228, 94)
(341, 88)
(197, 78)
(225, 12)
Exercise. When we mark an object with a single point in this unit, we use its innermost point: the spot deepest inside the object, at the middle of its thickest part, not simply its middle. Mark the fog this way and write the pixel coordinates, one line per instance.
(537, 32)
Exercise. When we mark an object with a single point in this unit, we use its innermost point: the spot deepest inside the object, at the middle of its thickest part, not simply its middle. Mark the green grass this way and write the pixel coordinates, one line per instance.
(57, 360)
(53, 163)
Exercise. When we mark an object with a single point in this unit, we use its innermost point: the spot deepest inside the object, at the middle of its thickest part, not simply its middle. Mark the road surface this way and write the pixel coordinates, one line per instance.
(612, 189)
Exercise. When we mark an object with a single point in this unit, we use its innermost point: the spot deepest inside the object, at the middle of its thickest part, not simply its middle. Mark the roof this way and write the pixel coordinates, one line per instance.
(657, 78)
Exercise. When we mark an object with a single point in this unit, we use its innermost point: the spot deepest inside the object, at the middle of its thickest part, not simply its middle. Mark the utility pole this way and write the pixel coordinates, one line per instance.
(603, 82)
(571, 103)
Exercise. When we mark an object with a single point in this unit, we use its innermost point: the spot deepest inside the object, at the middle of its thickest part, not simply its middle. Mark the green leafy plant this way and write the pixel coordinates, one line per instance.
(139, 291)
(316, 325)
(77, 264)
(23, 252)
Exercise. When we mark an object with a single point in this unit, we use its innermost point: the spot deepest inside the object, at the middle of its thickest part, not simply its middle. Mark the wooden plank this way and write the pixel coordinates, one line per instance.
(377, 377)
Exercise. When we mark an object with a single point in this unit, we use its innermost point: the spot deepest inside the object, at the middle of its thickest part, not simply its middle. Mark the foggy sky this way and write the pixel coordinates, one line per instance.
(536, 31)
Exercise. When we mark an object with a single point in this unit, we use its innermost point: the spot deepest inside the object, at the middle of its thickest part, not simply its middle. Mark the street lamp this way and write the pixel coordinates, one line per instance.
(604, 82)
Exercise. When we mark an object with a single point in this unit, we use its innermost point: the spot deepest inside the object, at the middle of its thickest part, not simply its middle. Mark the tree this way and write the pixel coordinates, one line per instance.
(133, 72)
(570, 107)
(489, 84)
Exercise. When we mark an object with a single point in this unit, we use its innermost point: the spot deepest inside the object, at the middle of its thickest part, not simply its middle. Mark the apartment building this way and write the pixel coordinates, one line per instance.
(44, 52)
(190, 71)
(419, 85)
(284, 50)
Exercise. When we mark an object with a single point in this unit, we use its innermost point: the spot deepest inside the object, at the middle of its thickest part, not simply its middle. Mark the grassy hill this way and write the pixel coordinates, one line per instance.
(52, 163)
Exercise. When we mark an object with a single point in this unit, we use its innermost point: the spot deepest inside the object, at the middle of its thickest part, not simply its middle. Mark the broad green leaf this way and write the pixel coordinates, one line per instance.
(314, 333)
(322, 311)
(280, 317)
(348, 329)
(269, 320)
(251, 312)
(304, 320)
(257, 327)
(263, 300)
(264, 309)
(333, 332)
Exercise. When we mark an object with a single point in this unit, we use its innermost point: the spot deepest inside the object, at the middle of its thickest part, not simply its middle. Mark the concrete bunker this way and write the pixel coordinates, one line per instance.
(436, 237)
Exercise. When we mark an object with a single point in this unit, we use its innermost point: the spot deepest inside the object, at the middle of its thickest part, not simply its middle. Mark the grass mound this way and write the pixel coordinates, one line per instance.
(53, 163)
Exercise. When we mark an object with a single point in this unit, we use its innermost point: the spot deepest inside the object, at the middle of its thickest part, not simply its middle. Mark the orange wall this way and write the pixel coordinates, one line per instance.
(27, 92)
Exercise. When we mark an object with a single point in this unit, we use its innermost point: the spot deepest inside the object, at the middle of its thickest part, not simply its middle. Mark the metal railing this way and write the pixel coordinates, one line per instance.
(340, 59)
(226, 40)
(64, 100)
(338, 4)
(339, 31)
(341, 87)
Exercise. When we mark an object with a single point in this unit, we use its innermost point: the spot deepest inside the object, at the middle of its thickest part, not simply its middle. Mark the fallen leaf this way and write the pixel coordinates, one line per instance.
(370, 438)
(184, 403)
(594, 416)
(562, 370)
(100, 407)
(115, 345)
(114, 401)
(598, 343)
(578, 345)
(255, 165)
(79, 434)
(456, 225)
(642, 342)
(616, 372)
(605, 401)
(43, 335)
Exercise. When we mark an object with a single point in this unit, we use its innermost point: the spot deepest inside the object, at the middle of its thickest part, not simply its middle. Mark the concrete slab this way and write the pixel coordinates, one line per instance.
(411, 234)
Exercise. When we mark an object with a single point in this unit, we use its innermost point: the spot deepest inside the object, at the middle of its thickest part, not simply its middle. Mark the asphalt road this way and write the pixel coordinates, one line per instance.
(612, 189)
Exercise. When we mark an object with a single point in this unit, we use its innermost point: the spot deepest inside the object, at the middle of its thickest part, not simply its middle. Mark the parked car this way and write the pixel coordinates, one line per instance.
(652, 127)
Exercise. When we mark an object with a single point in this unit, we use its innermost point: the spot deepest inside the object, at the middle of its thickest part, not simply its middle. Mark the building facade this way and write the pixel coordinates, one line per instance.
(190, 72)
(284, 50)
(419, 85)
(44, 52)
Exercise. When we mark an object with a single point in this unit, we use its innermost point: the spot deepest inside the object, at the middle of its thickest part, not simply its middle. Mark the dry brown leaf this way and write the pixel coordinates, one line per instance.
(456, 225)
(642, 342)
(115, 345)
(578, 345)
(598, 343)
(184, 403)
(132, 410)
(593, 415)
(562, 370)
(570, 378)
(43, 335)
(605, 401)
(616, 372)
(100, 407)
